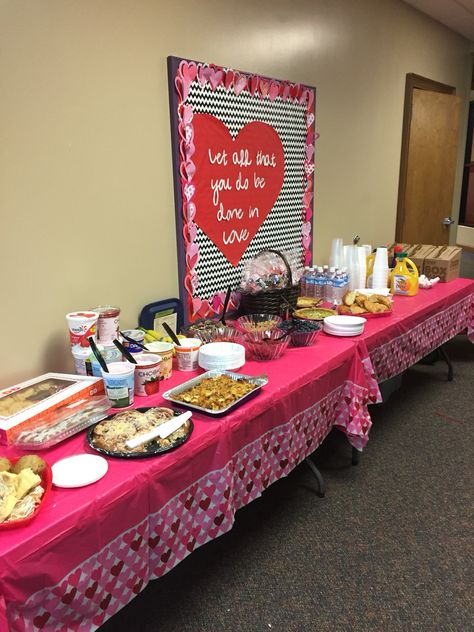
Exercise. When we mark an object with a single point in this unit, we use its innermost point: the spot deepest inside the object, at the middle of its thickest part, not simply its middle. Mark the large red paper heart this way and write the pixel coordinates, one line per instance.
(225, 210)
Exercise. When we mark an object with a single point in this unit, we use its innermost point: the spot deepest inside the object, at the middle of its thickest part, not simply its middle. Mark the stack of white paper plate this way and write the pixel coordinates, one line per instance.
(344, 325)
(221, 355)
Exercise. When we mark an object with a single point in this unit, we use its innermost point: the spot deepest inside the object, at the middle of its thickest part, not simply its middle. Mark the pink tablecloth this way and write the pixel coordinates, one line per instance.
(91, 550)
(418, 325)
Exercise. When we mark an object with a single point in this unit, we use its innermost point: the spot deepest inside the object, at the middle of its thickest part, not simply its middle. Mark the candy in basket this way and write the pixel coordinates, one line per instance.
(269, 281)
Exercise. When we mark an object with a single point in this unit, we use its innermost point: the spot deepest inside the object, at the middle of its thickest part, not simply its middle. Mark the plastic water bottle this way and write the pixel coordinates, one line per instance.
(307, 281)
(329, 293)
(340, 284)
(320, 283)
(304, 282)
(335, 286)
(312, 283)
(345, 280)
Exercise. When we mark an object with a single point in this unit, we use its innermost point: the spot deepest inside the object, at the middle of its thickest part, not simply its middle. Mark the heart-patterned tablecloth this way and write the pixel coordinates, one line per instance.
(91, 550)
(418, 325)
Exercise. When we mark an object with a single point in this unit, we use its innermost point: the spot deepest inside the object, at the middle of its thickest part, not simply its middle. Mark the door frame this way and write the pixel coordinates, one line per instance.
(420, 83)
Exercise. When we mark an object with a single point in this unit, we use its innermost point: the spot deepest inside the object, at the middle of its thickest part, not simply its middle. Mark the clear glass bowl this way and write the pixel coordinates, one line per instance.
(266, 347)
(258, 323)
(216, 332)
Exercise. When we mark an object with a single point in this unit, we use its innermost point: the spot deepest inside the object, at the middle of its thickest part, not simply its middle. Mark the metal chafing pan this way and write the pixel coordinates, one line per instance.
(259, 381)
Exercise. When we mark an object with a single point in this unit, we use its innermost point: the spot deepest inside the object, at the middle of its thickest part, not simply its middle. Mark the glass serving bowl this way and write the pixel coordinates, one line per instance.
(266, 347)
(258, 323)
(302, 333)
(215, 332)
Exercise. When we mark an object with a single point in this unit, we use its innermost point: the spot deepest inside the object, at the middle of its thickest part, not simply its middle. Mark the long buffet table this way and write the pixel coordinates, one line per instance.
(91, 550)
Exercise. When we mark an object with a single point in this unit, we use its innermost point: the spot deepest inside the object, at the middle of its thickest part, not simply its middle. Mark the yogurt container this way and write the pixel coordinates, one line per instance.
(80, 355)
(135, 334)
(82, 325)
(187, 354)
(119, 384)
(108, 323)
(165, 351)
(147, 374)
(110, 353)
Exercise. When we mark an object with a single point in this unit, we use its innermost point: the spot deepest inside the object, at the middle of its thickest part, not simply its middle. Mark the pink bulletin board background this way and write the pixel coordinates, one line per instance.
(243, 158)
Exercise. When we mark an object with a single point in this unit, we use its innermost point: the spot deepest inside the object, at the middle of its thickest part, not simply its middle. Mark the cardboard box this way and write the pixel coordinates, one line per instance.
(445, 263)
(26, 404)
(391, 249)
(419, 253)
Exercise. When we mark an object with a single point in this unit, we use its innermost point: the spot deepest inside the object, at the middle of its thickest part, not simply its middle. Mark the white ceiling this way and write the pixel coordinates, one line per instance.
(458, 15)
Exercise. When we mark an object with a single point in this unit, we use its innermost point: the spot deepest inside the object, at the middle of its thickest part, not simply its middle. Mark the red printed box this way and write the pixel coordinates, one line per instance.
(28, 403)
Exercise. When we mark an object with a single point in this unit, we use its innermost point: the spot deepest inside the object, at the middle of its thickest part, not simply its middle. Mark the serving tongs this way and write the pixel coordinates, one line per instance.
(226, 303)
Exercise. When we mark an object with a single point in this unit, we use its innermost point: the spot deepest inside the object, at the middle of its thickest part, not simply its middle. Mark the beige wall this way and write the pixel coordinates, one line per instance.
(86, 195)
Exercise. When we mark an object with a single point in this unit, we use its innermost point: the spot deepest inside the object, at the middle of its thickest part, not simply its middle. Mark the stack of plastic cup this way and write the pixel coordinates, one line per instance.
(353, 268)
(380, 272)
(336, 258)
(362, 266)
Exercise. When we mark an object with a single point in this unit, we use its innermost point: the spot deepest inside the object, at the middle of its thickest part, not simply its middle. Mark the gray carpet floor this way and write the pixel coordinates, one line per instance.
(389, 549)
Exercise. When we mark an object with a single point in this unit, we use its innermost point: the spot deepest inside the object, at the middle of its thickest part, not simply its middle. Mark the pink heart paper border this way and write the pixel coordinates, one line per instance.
(261, 88)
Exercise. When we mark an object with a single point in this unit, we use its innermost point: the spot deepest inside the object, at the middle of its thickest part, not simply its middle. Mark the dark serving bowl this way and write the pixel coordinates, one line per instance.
(302, 333)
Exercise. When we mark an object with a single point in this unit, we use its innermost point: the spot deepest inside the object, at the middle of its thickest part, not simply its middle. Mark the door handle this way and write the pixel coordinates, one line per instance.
(447, 221)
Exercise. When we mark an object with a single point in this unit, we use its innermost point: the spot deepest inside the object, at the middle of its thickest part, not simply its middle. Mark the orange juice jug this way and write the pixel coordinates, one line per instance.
(404, 276)
(370, 259)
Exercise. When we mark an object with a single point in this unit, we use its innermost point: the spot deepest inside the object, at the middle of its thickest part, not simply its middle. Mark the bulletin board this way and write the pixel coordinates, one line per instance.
(243, 167)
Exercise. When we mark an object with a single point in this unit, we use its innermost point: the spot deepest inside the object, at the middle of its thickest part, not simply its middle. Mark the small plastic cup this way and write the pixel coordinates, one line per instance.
(187, 354)
(120, 383)
(147, 374)
(165, 351)
(82, 325)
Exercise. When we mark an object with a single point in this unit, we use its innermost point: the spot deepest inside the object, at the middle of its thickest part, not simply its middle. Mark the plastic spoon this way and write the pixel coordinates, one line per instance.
(98, 355)
(124, 351)
(135, 342)
(171, 334)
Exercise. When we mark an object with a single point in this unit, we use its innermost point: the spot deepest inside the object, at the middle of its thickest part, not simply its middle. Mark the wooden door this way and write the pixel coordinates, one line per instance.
(428, 168)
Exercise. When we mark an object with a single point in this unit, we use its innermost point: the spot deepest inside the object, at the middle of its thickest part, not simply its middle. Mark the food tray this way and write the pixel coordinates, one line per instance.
(368, 315)
(258, 380)
(46, 482)
(313, 313)
(152, 447)
(63, 423)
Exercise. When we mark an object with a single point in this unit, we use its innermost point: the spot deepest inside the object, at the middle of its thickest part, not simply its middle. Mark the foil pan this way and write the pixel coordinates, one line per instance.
(258, 380)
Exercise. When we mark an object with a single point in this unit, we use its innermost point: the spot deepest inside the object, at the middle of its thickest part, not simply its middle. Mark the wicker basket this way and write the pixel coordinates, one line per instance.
(271, 301)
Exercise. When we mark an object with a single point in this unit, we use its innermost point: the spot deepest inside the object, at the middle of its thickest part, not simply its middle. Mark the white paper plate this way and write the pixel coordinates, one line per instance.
(345, 322)
(344, 330)
(79, 470)
(343, 334)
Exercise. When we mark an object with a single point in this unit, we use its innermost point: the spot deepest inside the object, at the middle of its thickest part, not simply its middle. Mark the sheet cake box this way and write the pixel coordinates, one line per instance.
(444, 263)
(23, 405)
